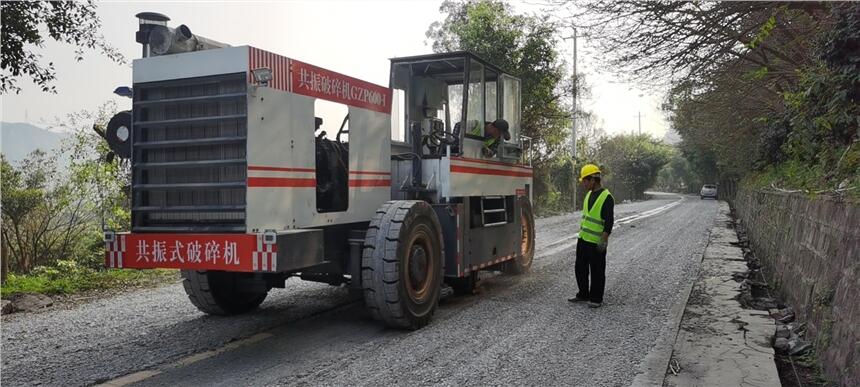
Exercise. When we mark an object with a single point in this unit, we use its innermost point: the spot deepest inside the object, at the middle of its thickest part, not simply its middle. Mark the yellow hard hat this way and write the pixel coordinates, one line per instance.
(588, 170)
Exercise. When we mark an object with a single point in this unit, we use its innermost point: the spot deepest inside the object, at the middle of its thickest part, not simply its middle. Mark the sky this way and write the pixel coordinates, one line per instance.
(355, 38)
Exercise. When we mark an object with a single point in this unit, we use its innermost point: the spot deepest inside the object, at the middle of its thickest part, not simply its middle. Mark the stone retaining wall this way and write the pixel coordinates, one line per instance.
(810, 249)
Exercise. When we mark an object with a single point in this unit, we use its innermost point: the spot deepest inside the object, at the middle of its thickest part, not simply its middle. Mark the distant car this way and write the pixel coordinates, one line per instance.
(708, 191)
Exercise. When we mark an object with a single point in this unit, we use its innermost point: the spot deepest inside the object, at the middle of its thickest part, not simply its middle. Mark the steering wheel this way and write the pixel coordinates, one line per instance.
(439, 137)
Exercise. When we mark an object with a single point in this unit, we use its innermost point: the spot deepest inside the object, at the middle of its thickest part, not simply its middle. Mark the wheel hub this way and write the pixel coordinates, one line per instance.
(417, 267)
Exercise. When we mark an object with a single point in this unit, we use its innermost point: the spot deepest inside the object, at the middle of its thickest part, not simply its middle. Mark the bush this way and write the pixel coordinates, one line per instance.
(68, 277)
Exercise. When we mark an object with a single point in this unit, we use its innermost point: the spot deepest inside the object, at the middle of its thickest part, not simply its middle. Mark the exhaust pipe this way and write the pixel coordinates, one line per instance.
(159, 39)
(164, 40)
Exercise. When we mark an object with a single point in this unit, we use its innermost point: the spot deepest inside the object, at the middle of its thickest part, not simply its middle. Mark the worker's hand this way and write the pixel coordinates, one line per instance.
(604, 242)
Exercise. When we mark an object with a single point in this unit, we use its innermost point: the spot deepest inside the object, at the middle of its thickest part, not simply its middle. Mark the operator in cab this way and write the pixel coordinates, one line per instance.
(493, 134)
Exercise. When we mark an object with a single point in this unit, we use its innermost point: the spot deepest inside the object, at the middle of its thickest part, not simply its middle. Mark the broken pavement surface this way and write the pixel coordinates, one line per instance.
(719, 342)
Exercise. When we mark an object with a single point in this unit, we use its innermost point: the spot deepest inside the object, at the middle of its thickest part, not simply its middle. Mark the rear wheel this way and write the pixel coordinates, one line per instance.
(219, 293)
(523, 262)
(402, 264)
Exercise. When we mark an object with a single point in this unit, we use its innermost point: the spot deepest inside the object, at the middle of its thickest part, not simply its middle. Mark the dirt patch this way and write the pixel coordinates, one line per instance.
(794, 373)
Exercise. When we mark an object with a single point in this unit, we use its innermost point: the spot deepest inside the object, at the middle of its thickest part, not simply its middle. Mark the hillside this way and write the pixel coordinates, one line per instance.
(17, 139)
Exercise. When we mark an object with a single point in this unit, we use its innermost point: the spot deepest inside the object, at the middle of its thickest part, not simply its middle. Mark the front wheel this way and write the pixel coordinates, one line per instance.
(523, 262)
(402, 264)
(219, 292)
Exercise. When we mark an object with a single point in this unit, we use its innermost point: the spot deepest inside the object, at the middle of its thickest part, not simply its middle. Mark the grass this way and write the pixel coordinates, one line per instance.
(813, 179)
(69, 282)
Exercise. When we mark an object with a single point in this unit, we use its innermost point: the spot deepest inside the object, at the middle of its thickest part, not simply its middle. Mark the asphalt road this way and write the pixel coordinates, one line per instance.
(519, 330)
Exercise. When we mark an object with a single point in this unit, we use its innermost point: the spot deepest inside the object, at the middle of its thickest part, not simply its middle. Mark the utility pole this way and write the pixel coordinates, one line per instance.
(573, 126)
(639, 118)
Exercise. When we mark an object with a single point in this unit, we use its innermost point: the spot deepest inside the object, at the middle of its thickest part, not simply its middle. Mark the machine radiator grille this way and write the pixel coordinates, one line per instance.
(188, 155)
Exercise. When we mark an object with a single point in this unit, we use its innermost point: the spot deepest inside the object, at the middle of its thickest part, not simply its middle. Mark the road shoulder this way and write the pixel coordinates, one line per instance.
(719, 342)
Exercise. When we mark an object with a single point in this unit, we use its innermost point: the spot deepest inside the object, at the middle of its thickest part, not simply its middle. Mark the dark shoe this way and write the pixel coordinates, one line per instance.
(594, 304)
(577, 299)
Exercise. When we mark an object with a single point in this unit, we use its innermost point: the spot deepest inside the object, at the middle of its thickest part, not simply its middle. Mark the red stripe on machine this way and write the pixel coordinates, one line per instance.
(281, 182)
(488, 171)
(369, 173)
(279, 65)
(501, 164)
(280, 169)
(370, 183)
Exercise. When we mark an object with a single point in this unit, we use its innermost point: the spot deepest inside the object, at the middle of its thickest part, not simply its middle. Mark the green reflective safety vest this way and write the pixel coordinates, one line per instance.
(476, 131)
(591, 227)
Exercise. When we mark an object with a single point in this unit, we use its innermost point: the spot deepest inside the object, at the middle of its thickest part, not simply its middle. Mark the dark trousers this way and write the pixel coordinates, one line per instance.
(590, 261)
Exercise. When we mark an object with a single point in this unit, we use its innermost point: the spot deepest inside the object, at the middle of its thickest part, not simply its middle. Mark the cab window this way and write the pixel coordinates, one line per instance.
(511, 104)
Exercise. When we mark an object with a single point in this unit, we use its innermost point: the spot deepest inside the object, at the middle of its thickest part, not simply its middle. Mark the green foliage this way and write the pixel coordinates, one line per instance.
(49, 215)
(558, 181)
(812, 144)
(791, 173)
(763, 32)
(42, 216)
(68, 277)
(678, 176)
(24, 25)
(792, 124)
(631, 163)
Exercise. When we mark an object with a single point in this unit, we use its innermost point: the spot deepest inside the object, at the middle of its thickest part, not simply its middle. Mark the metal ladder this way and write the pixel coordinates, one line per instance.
(492, 207)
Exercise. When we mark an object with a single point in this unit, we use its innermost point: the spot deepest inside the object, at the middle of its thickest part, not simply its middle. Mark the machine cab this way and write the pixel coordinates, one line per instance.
(442, 101)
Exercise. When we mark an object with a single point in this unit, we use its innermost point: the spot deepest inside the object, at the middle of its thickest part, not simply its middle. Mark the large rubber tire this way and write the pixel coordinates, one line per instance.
(523, 262)
(216, 292)
(401, 264)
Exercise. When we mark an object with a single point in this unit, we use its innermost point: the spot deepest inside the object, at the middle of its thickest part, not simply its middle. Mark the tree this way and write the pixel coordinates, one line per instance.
(672, 41)
(523, 46)
(49, 214)
(678, 176)
(42, 218)
(630, 163)
(762, 91)
(25, 22)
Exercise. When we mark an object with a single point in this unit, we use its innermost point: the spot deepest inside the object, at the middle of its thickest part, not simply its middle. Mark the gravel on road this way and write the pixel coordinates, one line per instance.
(518, 330)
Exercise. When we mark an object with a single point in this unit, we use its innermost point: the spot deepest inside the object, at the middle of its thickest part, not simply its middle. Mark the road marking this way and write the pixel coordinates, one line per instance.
(228, 347)
(188, 360)
(570, 240)
(130, 378)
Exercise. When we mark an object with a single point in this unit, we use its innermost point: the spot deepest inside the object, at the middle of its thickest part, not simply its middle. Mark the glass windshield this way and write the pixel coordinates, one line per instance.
(491, 95)
(475, 107)
(455, 103)
(398, 116)
(511, 104)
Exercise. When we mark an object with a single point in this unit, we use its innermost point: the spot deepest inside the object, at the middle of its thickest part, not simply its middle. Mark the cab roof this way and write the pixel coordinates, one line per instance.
(445, 62)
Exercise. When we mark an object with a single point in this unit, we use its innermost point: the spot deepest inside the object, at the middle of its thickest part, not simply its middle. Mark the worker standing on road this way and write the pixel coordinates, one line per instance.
(598, 213)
